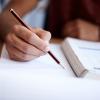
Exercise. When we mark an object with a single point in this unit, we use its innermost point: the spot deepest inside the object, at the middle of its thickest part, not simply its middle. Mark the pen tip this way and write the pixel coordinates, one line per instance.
(62, 66)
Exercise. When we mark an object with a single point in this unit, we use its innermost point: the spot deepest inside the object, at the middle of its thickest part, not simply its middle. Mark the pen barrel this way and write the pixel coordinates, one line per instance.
(19, 19)
(57, 61)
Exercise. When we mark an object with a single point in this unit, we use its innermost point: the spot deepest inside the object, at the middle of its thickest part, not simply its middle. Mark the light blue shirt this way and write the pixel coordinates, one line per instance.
(36, 17)
(3, 3)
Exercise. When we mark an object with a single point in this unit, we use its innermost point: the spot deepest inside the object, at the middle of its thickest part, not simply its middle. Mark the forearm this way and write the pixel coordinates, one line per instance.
(7, 21)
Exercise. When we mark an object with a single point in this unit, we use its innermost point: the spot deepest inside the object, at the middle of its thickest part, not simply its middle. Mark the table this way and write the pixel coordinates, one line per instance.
(16, 84)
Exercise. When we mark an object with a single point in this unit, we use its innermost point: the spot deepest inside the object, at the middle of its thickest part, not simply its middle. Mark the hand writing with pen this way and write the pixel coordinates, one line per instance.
(24, 45)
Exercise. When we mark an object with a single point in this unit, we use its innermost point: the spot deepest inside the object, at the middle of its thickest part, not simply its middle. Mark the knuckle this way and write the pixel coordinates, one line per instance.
(26, 49)
(15, 29)
(9, 38)
(44, 46)
(49, 34)
(13, 40)
(30, 37)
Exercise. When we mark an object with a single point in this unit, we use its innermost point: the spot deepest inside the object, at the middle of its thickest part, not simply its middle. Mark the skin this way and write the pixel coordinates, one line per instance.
(24, 45)
(21, 43)
(7, 21)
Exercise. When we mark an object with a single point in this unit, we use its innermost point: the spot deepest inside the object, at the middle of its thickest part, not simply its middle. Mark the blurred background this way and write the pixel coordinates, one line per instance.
(65, 18)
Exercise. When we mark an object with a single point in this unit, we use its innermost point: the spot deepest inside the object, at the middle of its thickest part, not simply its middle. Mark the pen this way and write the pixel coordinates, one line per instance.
(22, 22)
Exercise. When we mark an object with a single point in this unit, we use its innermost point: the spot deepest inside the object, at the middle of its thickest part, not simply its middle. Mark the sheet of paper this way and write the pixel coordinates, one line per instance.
(88, 54)
(43, 65)
(43, 79)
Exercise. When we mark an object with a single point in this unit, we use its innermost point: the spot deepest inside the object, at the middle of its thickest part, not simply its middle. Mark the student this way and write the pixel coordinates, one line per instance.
(63, 11)
(21, 43)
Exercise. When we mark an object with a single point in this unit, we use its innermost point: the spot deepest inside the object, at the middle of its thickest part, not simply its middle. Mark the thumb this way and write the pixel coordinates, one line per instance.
(44, 35)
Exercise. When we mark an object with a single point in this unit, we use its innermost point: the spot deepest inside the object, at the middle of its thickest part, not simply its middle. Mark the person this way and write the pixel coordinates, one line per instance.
(61, 12)
(21, 43)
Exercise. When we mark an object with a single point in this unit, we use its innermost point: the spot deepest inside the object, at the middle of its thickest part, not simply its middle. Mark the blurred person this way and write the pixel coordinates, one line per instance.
(61, 12)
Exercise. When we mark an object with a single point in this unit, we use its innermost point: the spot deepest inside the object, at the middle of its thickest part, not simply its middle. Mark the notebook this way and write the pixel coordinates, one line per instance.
(83, 56)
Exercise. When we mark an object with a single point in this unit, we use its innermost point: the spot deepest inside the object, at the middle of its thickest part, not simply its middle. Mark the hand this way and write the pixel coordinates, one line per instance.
(24, 45)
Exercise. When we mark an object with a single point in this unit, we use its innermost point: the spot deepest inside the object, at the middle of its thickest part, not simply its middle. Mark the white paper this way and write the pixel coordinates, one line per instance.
(41, 87)
(42, 65)
(88, 53)
(43, 79)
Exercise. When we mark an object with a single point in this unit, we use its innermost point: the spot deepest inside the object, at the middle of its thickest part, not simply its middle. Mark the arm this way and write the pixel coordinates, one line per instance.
(21, 43)
(7, 21)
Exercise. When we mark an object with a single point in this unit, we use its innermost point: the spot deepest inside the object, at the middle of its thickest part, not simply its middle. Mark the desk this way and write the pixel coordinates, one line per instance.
(51, 84)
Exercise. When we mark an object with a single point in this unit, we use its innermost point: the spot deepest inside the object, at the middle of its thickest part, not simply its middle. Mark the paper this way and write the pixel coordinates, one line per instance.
(43, 65)
(33, 87)
(43, 79)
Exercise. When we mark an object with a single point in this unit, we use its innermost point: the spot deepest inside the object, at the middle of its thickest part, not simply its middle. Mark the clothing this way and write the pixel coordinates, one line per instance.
(3, 3)
(62, 11)
(36, 17)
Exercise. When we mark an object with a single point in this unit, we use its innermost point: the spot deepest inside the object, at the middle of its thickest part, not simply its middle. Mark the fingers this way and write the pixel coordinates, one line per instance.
(15, 54)
(23, 44)
(45, 35)
(30, 37)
